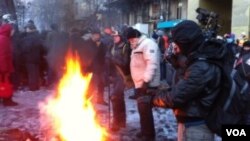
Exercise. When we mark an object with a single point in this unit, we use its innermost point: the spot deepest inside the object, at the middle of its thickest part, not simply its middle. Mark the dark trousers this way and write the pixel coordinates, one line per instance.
(19, 74)
(119, 112)
(146, 114)
(100, 85)
(97, 82)
(163, 70)
(33, 76)
(118, 103)
(52, 77)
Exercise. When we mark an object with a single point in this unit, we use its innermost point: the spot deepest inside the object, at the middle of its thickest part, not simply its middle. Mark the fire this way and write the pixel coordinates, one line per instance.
(72, 114)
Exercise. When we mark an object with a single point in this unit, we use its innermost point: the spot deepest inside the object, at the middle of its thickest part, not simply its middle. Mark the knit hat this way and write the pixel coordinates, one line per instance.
(132, 33)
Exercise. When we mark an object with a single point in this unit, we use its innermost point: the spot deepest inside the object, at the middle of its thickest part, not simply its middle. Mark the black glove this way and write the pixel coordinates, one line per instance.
(162, 99)
(145, 87)
(142, 95)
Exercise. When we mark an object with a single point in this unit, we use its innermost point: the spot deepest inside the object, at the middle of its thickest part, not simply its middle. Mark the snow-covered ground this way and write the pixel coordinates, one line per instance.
(25, 117)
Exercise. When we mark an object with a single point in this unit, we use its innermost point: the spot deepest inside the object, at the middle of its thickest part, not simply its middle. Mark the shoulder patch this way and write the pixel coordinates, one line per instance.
(152, 51)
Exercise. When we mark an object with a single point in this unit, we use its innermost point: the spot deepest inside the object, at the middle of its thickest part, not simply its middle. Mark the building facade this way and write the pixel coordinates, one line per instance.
(234, 15)
(148, 12)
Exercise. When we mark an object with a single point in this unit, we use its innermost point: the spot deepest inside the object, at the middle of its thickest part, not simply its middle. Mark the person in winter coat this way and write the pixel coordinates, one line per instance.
(99, 65)
(91, 54)
(243, 62)
(6, 60)
(145, 72)
(119, 57)
(243, 66)
(32, 50)
(107, 43)
(192, 96)
(56, 47)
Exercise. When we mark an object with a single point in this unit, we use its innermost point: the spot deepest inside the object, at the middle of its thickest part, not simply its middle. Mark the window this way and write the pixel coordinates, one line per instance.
(179, 10)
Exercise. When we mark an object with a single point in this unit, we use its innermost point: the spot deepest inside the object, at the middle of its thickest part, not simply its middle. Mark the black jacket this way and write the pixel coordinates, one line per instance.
(87, 50)
(120, 57)
(32, 48)
(193, 95)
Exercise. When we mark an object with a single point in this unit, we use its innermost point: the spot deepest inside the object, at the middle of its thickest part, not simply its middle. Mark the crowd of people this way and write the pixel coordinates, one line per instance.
(29, 60)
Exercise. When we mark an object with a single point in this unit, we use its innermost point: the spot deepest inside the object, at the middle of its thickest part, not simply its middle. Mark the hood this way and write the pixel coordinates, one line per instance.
(214, 50)
(188, 36)
(5, 30)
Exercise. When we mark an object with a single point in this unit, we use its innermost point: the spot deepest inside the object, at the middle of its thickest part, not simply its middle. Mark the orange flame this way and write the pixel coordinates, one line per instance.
(72, 113)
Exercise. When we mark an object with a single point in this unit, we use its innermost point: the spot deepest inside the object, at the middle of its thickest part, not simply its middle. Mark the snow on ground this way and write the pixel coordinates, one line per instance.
(25, 117)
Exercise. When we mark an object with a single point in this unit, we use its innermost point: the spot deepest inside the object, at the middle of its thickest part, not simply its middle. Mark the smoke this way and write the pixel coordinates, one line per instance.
(26, 1)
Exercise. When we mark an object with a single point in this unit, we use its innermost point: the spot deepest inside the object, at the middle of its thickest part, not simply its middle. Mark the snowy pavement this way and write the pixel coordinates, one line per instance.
(25, 119)
(26, 115)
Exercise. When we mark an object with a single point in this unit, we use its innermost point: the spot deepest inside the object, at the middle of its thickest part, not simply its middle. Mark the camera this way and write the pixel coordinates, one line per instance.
(209, 22)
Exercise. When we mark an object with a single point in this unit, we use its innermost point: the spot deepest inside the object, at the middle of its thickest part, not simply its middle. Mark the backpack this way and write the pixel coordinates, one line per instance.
(231, 104)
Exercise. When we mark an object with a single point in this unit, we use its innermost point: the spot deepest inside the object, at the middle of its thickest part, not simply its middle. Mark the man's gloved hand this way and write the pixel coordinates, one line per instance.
(145, 87)
(142, 91)
(142, 95)
(162, 99)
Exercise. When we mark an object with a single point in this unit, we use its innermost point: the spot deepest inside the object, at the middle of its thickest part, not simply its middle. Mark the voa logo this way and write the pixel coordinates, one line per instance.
(236, 132)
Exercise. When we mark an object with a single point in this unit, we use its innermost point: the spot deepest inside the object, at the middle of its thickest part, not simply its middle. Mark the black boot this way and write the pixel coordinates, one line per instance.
(146, 118)
(9, 102)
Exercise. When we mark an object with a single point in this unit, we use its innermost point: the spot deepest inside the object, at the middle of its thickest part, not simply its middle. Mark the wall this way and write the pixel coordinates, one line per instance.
(223, 8)
(191, 6)
(241, 17)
